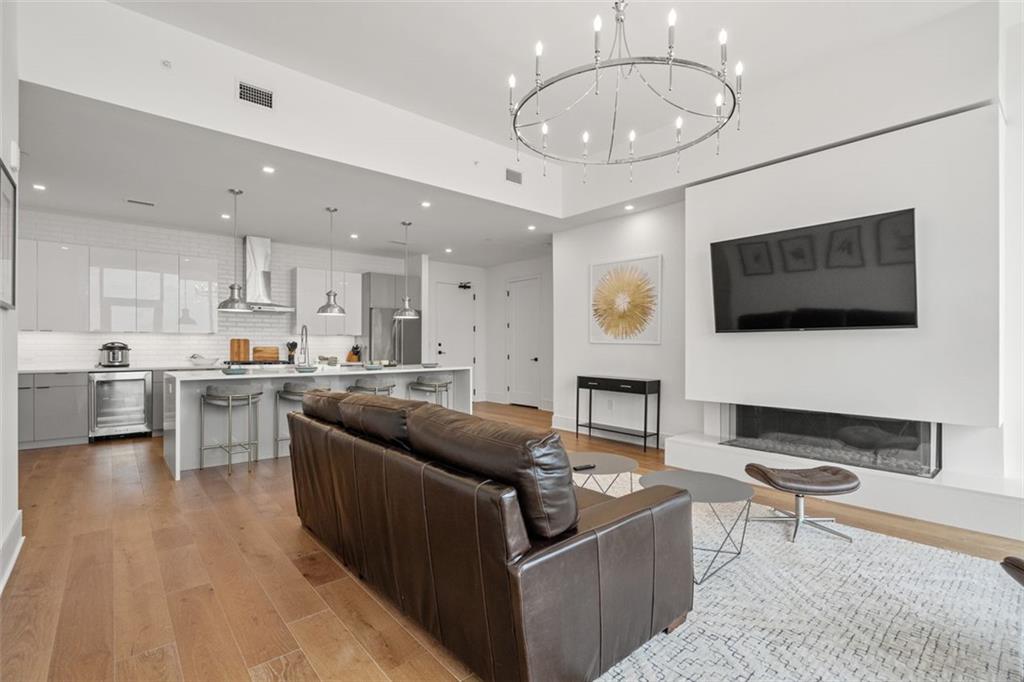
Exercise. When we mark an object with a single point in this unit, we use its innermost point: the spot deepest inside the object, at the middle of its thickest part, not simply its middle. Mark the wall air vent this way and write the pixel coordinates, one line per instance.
(514, 176)
(139, 202)
(256, 95)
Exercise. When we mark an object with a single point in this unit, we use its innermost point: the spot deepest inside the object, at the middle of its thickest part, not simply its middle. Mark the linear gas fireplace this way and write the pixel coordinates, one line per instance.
(897, 445)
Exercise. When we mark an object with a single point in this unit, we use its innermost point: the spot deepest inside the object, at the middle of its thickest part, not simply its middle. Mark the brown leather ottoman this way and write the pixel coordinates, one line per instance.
(1014, 566)
(817, 481)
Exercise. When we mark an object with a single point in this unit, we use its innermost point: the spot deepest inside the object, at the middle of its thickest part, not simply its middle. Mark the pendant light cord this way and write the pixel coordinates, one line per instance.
(331, 211)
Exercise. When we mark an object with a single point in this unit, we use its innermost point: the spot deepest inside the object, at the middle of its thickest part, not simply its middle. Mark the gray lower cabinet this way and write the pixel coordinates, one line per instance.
(60, 406)
(26, 412)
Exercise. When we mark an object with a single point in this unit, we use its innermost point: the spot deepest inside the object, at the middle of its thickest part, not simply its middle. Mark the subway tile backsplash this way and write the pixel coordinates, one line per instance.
(67, 349)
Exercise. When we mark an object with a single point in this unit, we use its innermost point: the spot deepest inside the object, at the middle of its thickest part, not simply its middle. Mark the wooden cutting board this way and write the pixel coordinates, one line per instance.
(263, 353)
(239, 350)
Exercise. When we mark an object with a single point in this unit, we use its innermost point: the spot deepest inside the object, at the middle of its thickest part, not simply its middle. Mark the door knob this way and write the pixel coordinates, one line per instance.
(535, 359)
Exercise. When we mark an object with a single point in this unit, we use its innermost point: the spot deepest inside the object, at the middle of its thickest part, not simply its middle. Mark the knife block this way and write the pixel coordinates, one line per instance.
(239, 350)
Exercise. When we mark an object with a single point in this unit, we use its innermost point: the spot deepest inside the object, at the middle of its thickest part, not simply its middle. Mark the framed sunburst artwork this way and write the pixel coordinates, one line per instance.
(625, 301)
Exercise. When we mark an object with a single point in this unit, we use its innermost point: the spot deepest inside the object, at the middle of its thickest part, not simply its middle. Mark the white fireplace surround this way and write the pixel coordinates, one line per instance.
(946, 371)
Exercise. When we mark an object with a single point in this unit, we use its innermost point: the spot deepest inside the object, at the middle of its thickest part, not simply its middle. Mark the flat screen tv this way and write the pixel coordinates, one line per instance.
(857, 273)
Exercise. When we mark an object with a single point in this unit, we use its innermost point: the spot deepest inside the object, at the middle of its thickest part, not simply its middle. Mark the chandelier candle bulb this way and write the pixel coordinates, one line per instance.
(597, 34)
(722, 38)
(671, 30)
(539, 51)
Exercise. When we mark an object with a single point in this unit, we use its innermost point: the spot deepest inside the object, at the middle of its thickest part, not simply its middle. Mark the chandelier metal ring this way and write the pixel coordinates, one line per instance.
(619, 63)
(610, 64)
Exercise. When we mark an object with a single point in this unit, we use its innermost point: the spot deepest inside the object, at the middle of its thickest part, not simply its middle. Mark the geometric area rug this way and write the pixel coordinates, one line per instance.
(882, 608)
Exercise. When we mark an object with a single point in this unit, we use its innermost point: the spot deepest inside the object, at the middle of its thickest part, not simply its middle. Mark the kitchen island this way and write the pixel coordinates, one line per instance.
(181, 406)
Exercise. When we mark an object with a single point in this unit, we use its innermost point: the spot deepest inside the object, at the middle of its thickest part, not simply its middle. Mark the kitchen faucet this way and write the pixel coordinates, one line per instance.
(304, 346)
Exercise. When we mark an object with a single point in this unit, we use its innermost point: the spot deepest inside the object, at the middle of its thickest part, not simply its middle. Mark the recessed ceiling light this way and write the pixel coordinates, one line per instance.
(447, 250)
(41, 188)
(425, 204)
(353, 236)
(225, 216)
(630, 207)
(268, 169)
(531, 228)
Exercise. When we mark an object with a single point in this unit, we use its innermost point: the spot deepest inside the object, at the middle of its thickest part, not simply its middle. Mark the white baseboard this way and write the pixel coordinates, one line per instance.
(9, 549)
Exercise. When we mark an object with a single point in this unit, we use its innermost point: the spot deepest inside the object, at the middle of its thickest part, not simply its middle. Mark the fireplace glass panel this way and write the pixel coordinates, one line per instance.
(896, 445)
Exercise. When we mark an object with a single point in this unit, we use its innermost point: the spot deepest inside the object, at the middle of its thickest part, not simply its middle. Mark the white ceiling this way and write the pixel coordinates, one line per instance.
(91, 156)
(449, 61)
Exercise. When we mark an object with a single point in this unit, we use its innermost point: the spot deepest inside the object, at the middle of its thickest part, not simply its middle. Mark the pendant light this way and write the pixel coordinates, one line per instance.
(234, 303)
(406, 312)
(331, 307)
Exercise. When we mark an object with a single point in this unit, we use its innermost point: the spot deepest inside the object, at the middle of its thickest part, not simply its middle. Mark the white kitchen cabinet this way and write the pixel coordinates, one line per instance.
(111, 290)
(353, 303)
(310, 294)
(311, 285)
(26, 286)
(62, 287)
(197, 295)
(156, 292)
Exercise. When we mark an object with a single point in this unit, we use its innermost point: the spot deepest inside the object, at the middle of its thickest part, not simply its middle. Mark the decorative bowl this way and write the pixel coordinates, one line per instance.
(234, 371)
(306, 369)
(372, 367)
(202, 361)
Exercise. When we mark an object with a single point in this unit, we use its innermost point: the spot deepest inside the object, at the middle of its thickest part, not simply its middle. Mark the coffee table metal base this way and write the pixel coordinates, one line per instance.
(605, 488)
(733, 553)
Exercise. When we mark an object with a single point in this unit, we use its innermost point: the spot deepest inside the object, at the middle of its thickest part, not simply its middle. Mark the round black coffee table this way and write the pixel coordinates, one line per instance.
(711, 489)
(605, 464)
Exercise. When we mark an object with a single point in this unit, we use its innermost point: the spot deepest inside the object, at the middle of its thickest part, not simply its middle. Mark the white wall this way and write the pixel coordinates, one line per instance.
(946, 370)
(943, 65)
(453, 273)
(110, 53)
(498, 278)
(10, 514)
(53, 349)
(659, 231)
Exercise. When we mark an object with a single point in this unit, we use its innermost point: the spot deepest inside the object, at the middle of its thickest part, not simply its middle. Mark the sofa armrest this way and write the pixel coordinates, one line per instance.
(590, 597)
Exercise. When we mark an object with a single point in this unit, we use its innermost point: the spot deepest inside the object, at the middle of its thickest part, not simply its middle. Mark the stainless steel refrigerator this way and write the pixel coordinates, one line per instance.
(394, 341)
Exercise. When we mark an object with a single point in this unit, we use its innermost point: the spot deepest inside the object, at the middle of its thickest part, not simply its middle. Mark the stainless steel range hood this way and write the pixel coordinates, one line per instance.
(257, 277)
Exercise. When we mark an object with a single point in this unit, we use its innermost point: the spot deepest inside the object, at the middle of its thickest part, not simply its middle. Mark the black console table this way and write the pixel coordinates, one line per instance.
(644, 387)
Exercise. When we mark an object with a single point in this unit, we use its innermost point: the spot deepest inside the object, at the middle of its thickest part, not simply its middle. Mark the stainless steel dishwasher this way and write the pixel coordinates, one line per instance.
(120, 403)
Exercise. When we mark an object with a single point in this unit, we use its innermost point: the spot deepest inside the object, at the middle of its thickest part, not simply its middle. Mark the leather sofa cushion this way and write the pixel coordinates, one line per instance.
(379, 418)
(534, 464)
(323, 405)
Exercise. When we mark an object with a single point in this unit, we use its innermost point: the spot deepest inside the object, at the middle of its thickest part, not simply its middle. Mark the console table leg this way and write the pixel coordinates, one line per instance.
(590, 413)
(646, 403)
(577, 412)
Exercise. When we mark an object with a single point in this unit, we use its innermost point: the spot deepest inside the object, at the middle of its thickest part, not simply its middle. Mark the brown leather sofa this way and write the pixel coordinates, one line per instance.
(474, 529)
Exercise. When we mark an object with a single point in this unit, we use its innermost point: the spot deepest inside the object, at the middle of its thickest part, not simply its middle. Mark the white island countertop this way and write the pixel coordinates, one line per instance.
(183, 417)
(288, 372)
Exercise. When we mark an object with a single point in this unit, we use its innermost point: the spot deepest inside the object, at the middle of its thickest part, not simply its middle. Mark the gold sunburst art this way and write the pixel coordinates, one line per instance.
(624, 302)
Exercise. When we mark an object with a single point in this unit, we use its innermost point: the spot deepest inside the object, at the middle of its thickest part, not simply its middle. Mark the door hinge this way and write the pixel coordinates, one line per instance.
(508, 357)
(507, 293)
(508, 325)
(474, 359)
(474, 391)
(474, 329)
(508, 388)
(474, 297)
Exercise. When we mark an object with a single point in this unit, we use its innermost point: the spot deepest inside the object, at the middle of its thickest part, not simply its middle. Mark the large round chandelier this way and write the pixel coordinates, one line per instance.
(590, 114)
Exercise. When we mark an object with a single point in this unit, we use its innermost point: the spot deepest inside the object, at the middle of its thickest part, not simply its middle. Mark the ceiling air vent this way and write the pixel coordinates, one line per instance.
(140, 202)
(256, 95)
(514, 176)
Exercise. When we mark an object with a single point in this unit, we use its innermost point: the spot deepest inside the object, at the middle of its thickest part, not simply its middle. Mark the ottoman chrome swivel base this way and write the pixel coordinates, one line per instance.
(823, 480)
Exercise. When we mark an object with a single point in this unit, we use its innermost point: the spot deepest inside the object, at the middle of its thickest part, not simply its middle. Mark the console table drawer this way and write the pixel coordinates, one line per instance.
(641, 386)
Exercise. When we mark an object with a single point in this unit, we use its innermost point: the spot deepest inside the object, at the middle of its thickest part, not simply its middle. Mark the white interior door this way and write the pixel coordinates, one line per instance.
(524, 341)
(454, 326)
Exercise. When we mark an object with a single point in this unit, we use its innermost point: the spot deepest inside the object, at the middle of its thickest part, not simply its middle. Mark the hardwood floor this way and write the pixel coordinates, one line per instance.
(127, 575)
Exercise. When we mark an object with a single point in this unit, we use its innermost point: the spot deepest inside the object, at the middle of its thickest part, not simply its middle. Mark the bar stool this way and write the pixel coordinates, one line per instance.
(292, 391)
(232, 396)
(438, 384)
(374, 385)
